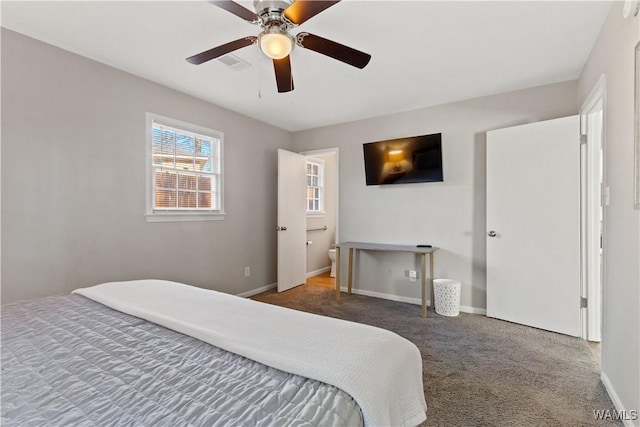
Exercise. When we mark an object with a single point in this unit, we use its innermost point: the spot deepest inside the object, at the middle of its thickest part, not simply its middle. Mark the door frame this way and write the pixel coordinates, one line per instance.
(322, 152)
(593, 198)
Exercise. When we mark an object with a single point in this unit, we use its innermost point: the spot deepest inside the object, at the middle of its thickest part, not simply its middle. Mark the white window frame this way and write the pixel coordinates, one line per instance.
(167, 215)
(321, 202)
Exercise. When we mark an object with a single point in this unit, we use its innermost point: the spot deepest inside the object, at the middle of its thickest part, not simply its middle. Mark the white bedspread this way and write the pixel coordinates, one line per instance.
(379, 369)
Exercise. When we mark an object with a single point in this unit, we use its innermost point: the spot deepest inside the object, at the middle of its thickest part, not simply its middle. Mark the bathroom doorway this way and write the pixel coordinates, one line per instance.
(322, 213)
(322, 280)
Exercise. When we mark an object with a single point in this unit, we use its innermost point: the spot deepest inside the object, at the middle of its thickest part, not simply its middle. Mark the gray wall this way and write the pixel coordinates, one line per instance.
(73, 182)
(613, 55)
(450, 214)
(317, 257)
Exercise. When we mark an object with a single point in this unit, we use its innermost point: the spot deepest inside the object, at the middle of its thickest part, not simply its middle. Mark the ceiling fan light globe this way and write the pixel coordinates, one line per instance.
(276, 45)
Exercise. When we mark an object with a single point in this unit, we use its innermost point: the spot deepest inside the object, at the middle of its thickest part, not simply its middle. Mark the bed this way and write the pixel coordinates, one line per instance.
(153, 353)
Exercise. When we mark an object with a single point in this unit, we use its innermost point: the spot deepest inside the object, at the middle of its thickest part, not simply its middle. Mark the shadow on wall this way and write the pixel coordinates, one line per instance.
(479, 231)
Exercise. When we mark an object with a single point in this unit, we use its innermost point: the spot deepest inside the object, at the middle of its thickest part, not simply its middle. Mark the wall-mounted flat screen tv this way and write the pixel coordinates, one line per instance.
(404, 160)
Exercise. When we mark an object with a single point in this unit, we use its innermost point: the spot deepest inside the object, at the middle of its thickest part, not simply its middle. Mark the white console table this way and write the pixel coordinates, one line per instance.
(355, 246)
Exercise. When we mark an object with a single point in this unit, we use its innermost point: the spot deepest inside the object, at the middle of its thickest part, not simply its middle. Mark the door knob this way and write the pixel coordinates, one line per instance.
(278, 228)
(491, 233)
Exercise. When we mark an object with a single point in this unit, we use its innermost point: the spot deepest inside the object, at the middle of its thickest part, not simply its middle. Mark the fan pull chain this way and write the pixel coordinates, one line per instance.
(259, 73)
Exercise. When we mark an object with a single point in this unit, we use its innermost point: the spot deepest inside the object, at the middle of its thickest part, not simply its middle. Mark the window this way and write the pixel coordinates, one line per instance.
(315, 186)
(185, 171)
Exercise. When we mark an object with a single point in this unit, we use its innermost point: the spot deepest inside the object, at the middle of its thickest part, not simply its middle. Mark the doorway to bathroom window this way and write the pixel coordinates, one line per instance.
(315, 186)
(322, 224)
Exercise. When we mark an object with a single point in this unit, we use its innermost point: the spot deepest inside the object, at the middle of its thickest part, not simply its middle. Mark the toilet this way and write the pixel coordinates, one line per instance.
(332, 256)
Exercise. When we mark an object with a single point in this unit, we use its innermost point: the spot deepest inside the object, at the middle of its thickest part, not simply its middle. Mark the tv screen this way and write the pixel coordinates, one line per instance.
(404, 160)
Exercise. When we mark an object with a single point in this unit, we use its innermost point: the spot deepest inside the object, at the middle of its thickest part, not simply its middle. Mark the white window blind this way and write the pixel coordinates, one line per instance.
(186, 168)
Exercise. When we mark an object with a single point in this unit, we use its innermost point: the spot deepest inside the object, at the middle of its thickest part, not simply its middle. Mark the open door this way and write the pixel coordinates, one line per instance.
(592, 121)
(533, 225)
(292, 220)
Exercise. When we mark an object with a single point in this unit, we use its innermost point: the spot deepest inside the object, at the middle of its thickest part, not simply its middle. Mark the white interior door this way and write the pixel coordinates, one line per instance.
(533, 225)
(292, 220)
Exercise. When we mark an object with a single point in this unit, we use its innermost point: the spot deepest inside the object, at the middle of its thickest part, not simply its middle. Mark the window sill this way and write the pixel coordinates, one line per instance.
(315, 214)
(184, 216)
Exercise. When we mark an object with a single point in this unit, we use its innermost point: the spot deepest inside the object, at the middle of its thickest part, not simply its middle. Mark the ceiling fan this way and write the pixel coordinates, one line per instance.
(277, 18)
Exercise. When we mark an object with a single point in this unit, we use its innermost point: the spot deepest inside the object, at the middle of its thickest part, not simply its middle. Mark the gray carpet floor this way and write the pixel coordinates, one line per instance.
(478, 371)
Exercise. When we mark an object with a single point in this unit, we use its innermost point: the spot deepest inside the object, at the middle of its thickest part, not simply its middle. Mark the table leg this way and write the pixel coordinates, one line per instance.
(350, 276)
(433, 298)
(423, 275)
(338, 273)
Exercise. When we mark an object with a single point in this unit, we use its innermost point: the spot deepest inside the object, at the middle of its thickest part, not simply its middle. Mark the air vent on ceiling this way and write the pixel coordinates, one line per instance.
(234, 62)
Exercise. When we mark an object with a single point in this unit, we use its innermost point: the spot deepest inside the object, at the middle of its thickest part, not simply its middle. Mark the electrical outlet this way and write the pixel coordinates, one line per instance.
(413, 275)
(247, 271)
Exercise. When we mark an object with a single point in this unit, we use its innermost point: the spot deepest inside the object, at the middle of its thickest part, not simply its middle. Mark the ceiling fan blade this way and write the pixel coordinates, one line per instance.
(238, 10)
(335, 50)
(284, 79)
(302, 10)
(216, 52)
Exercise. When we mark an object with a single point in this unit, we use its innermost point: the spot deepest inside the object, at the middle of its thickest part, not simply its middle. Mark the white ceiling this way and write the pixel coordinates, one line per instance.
(424, 53)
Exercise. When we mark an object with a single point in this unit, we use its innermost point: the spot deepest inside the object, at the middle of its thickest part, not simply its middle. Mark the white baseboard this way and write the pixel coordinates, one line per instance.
(274, 285)
(390, 297)
(473, 310)
(319, 271)
(257, 291)
(410, 300)
(617, 402)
